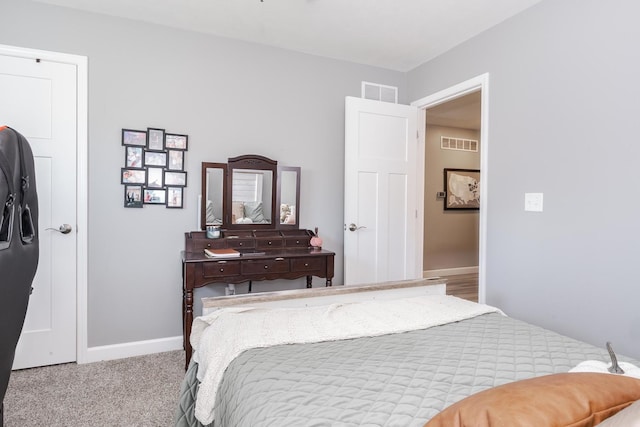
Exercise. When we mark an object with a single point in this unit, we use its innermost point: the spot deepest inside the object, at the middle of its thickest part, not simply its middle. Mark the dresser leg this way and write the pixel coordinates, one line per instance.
(188, 320)
(328, 283)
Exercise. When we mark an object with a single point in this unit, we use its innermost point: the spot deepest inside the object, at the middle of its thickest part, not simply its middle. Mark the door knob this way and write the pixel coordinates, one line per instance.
(353, 227)
(64, 229)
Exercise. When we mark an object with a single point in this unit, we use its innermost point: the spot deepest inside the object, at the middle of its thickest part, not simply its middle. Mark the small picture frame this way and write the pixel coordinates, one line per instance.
(177, 179)
(176, 160)
(174, 197)
(155, 158)
(154, 178)
(137, 138)
(155, 139)
(175, 142)
(132, 196)
(133, 176)
(462, 189)
(154, 197)
(133, 156)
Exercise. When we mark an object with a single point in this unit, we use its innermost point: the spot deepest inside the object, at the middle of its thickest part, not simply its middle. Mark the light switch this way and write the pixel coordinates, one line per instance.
(533, 202)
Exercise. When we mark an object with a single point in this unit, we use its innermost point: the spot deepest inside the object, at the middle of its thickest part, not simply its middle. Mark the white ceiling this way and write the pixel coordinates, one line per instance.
(393, 34)
(462, 112)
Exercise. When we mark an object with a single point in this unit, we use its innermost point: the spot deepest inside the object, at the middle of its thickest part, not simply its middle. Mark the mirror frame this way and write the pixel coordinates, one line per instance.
(281, 169)
(203, 200)
(251, 161)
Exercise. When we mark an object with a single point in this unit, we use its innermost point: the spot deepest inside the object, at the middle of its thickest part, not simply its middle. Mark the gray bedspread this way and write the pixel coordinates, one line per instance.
(391, 380)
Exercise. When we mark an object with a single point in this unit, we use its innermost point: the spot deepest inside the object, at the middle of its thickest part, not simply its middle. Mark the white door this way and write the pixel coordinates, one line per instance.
(381, 191)
(39, 101)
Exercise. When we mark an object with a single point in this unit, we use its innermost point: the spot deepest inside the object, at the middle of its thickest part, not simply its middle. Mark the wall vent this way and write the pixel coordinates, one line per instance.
(458, 144)
(379, 92)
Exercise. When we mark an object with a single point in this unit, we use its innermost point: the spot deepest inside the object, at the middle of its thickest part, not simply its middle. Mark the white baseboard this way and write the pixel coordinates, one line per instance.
(450, 272)
(132, 349)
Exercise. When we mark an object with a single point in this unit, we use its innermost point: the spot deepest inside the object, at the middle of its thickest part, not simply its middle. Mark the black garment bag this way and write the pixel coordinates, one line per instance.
(18, 244)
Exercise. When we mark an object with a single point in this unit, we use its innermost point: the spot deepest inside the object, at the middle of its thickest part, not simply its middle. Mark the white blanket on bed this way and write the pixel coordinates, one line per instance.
(222, 335)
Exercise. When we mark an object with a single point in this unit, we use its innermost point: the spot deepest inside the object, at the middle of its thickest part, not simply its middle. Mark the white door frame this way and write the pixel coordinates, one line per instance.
(472, 85)
(81, 64)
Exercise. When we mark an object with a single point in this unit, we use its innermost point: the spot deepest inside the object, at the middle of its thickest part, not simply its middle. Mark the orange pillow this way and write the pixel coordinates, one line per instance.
(580, 399)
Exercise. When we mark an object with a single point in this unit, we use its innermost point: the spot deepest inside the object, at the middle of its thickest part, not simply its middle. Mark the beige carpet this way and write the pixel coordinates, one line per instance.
(138, 391)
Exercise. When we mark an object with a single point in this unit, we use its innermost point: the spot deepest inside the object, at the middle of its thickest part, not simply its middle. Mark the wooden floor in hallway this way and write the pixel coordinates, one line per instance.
(463, 286)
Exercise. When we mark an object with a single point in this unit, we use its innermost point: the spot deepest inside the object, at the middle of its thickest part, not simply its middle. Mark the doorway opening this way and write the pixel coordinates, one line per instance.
(451, 217)
(456, 244)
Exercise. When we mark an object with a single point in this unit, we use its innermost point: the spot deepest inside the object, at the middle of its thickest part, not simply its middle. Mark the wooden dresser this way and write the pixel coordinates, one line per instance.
(265, 255)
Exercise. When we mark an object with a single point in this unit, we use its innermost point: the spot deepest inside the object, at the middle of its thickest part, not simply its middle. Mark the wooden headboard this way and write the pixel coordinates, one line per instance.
(328, 295)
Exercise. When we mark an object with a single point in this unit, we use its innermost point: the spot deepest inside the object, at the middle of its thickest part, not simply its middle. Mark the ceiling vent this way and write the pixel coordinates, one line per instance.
(458, 144)
(379, 92)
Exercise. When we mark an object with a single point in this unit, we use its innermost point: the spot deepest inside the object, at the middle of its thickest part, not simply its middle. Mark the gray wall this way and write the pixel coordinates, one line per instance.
(231, 98)
(563, 107)
(450, 237)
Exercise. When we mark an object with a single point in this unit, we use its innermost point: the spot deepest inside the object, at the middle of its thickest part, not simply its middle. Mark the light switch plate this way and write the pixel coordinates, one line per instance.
(533, 202)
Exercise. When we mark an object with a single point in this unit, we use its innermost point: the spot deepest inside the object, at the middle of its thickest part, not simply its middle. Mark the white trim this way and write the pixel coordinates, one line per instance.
(420, 154)
(132, 349)
(472, 85)
(82, 228)
(428, 274)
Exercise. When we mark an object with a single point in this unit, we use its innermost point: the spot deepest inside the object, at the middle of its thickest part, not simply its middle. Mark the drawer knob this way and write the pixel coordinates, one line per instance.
(222, 270)
(269, 242)
(266, 267)
(297, 242)
(306, 264)
(240, 244)
(208, 245)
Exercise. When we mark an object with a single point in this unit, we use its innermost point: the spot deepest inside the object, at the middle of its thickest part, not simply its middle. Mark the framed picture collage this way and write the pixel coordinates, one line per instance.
(153, 172)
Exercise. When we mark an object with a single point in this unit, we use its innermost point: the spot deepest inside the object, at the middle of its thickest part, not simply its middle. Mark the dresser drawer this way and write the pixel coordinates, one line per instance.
(220, 268)
(308, 264)
(269, 243)
(198, 245)
(297, 242)
(241, 243)
(276, 265)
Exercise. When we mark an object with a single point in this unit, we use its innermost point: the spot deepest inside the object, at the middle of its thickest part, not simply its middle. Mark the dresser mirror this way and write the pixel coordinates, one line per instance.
(250, 192)
(214, 191)
(288, 196)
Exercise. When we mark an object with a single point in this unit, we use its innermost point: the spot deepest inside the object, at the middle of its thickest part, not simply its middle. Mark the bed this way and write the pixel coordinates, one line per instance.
(452, 351)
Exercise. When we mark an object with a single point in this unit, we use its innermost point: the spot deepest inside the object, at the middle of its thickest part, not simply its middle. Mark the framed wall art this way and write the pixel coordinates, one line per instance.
(133, 196)
(178, 179)
(155, 158)
(155, 177)
(134, 137)
(155, 139)
(133, 156)
(462, 189)
(154, 168)
(133, 176)
(176, 160)
(176, 142)
(155, 197)
(174, 197)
